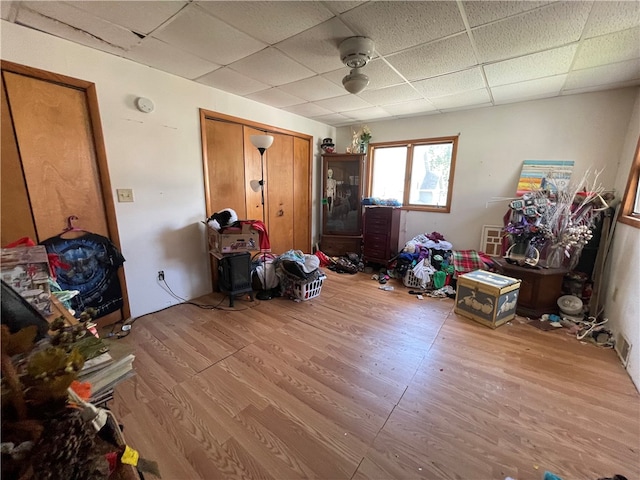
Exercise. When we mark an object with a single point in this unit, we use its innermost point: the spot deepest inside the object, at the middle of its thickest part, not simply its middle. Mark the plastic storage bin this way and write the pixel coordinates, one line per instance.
(309, 290)
(411, 281)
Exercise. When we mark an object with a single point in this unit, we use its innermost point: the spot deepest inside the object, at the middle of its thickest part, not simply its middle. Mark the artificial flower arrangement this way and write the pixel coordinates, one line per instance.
(360, 139)
(365, 134)
(558, 221)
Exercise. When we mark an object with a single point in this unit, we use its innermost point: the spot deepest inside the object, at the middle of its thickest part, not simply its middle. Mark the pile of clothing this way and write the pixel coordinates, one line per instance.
(296, 267)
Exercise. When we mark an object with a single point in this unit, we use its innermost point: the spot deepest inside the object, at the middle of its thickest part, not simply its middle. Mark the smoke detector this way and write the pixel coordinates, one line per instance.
(355, 52)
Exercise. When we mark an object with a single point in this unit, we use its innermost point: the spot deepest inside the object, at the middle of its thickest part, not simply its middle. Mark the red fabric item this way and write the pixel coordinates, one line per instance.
(324, 260)
(112, 458)
(22, 242)
(465, 261)
(54, 260)
(265, 245)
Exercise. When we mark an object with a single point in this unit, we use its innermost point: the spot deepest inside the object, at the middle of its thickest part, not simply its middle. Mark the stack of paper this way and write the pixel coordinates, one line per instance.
(105, 376)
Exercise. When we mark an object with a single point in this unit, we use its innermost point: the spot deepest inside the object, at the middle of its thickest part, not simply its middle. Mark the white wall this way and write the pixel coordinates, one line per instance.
(587, 128)
(158, 155)
(622, 287)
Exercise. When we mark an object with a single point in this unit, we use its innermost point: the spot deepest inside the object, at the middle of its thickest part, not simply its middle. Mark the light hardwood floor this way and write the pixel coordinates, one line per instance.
(361, 383)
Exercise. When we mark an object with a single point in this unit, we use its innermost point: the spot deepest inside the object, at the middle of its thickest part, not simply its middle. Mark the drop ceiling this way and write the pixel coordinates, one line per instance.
(431, 57)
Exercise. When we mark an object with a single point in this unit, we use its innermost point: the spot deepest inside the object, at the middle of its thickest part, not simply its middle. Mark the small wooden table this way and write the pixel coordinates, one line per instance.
(539, 290)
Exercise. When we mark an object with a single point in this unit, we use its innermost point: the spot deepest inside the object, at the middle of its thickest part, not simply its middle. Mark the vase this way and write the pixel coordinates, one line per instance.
(555, 256)
(363, 147)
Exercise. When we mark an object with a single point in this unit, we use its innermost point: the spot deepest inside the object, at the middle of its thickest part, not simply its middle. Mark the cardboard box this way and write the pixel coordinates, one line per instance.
(245, 240)
(26, 270)
(486, 297)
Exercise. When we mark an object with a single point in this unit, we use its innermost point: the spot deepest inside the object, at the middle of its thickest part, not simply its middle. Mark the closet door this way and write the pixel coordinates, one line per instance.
(252, 171)
(53, 161)
(224, 167)
(301, 194)
(54, 132)
(15, 213)
(231, 162)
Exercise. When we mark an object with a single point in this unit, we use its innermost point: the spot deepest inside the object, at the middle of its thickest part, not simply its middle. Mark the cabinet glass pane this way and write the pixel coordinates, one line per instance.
(343, 197)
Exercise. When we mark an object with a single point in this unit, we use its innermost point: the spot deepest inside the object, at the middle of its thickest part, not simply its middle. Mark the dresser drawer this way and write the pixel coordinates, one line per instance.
(377, 242)
(377, 228)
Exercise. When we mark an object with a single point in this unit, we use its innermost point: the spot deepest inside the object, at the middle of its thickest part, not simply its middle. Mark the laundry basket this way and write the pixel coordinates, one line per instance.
(411, 281)
(308, 290)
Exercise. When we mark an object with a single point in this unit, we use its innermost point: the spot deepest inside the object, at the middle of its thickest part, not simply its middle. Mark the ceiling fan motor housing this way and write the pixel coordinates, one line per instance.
(355, 52)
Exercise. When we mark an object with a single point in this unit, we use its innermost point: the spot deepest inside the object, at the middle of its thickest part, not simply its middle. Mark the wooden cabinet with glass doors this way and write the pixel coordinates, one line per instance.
(342, 191)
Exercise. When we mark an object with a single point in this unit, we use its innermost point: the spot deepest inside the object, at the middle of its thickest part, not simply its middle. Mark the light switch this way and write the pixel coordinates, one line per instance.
(125, 194)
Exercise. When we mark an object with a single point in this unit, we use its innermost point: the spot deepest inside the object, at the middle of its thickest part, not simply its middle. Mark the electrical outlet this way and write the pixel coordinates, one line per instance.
(160, 275)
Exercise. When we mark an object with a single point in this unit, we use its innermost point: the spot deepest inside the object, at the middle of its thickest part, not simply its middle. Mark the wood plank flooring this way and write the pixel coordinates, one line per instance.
(361, 383)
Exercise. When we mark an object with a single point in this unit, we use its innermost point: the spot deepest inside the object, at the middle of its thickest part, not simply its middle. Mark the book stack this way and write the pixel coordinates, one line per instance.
(104, 373)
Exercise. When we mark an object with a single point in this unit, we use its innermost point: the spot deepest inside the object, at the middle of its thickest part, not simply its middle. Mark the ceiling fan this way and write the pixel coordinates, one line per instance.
(355, 53)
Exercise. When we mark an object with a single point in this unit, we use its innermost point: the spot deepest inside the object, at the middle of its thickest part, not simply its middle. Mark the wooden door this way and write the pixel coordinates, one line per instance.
(301, 194)
(279, 190)
(252, 172)
(57, 151)
(15, 214)
(224, 167)
(231, 162)
(57, 142)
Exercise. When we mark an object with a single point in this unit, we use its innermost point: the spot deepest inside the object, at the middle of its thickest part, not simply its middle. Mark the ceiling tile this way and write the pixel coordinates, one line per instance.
(611, 48)
(609, 17)
(380, 75)
(314, 88)
(436, 58)
(552, 26)
(537, 65)
(65, 21)
(474, 97)
(368, 114)
(410, 108)
(395, 26)
(451, 83)
(272, 67)
(275, 98)
(139, 16)
(317, 48)
(341, 7)
(233, 82)
(614, 73)
(479, 13)
(538, 88)
(194, 30)
(169, 59)
(308, 110)
(390, 95)
(9, 10)
(344, 103)
(334, 119)
(270, 22)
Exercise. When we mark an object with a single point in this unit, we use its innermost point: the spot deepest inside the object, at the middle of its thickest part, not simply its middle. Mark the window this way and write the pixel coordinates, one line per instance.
(418, 173)
(630, 207)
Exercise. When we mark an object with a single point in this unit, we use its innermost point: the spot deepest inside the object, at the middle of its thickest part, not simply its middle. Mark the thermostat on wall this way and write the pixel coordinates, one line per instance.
(144, 105)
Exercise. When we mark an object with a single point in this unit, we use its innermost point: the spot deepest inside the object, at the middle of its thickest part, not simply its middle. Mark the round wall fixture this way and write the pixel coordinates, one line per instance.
(144, 105)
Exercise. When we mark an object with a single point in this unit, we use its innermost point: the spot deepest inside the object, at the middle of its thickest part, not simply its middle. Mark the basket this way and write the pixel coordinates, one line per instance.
(309, 290)
(411, 281)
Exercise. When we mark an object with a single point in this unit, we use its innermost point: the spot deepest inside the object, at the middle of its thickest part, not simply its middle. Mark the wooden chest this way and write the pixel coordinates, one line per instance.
(486, 297)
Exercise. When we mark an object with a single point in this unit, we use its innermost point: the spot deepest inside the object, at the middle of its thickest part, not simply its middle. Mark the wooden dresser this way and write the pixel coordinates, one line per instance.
(381, 234)
(539, 290)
